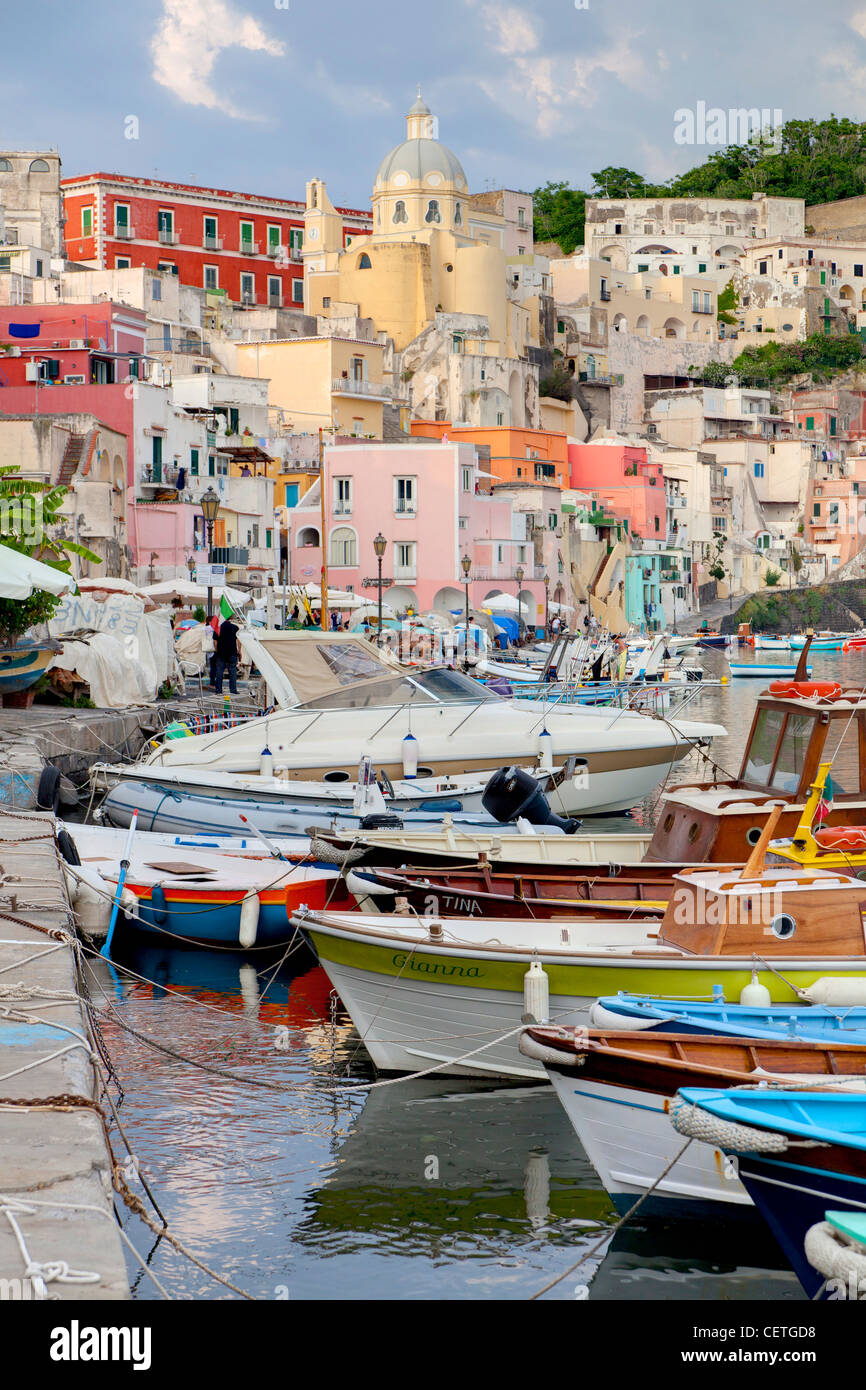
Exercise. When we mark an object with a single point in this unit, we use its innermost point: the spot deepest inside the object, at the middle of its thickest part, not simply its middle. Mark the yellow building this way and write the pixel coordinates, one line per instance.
(335, 384)
(433, 250)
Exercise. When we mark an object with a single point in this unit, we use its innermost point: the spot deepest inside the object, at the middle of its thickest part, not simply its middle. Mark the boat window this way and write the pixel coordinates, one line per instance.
(421, 688)
(792, 753)
(350, 661)
(844, 749)
(762, 750)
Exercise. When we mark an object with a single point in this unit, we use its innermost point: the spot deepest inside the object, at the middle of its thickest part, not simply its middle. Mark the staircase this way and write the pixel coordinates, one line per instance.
(71, 460)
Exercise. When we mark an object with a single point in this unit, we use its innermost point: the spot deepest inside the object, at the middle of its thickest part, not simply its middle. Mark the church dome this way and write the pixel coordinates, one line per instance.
(418, 158)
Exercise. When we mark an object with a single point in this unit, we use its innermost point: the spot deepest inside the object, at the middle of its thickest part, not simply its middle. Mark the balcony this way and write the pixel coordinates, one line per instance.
(231, 555)
(163, 475)
(354, 386)
(605, 296)
(212, 243)
(600, 379)
(248, 299)
(404, 508)
(697, 310)
(275, 301)
(342, 509)
(124, 233)
(168, 237)
(191, 347)
(676, 500)
(249, 248)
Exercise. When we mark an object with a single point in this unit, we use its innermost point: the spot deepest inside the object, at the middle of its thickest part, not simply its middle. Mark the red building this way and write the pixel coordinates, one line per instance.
(246, 247)
(69, 345)
(626, 481)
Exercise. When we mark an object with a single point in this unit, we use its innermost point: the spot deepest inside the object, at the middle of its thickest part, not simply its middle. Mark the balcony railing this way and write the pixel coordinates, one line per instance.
(230, 555)
(191, 346)
(159, 475)
(605, 296)
(168, 237)
(354, 386)
(249, 248)
(248, 299)
(124, 233)
(342, 509)
(275, 301)
(404, 508)
(212, 243)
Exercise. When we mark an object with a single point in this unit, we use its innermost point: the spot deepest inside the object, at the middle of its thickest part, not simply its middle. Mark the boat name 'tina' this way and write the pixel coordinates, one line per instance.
(435, 967)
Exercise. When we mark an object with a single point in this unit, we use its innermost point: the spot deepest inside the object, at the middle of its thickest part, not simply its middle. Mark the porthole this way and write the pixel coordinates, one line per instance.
(425, 772)
(783, 926)
(449, 267)
(668, 823)
(336, 777)
(694, 832)
(753, 835)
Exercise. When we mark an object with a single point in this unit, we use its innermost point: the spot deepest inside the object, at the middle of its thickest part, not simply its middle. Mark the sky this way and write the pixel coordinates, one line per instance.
(261, 95)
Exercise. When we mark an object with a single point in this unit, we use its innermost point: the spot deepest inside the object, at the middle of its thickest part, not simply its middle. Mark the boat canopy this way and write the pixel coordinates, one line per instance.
(436, 686)
(300, 667)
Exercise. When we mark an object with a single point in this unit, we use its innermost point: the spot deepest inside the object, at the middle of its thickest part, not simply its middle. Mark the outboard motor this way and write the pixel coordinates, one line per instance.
(381, 821)
(511, 792)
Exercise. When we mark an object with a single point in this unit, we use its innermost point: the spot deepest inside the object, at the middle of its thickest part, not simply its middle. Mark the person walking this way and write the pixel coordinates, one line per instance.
(226, 657)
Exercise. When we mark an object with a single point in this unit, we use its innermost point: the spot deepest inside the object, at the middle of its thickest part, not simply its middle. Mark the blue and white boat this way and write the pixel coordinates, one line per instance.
(809, 1022)
(764, 670)
(801, 1153)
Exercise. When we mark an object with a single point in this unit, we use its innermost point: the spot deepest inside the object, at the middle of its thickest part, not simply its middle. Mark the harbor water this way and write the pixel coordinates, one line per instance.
(292, 1186)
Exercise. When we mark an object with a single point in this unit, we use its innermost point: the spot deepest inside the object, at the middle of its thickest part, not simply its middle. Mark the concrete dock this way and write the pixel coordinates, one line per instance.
(56, 1194)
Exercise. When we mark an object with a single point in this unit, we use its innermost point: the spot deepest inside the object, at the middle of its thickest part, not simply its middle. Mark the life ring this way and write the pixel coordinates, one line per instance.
(806, 690)
(846, 838)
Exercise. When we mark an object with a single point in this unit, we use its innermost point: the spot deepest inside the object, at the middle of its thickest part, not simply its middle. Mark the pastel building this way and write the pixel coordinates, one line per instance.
(625, 480)
(329, 383)
(423, 498)
(516, 455)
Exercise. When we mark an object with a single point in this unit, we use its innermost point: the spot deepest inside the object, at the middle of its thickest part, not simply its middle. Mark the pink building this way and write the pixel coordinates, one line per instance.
(425, 499)
(621, 477)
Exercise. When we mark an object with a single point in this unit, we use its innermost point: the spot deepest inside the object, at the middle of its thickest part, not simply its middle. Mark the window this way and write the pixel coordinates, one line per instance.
(248, 289)
(707, 303)
(344, 546)
(400, 213)
(156, 289)
(643, 267)
(168, 266)
(832, 426)
(405, 494)
(291, 495)
(500, 418)
(121, 219)
(193, 462)
(297, 291)
(122, 263)
(296, 239)
(39, 269)
(165, 224)
(211, 466)
(211, 277)
(458, 215)
(824, 279)
(39, 166)
(246, 236)
(404, 560)
(269, 540)
(858, 271)
(833, 514)
(648, 227)
(342, 496)
(210, 234)
(810, 422)
(87, 221)
(5, 166)
(433, 214)
(816, 509)
(364, 262)
(702, 265)
(780, 253)
(521, 217)
(762, 267)
(274, 238)
(759, 473)
(500, 554)
(275, 291)
(156, 456)
(676, 270)
(696, 301)
(729, 229)
(796, 279)
(466, 479)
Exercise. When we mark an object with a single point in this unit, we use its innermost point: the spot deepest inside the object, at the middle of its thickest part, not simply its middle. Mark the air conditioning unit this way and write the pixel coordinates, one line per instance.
(76, 343)
(74, 380)
(13, 351)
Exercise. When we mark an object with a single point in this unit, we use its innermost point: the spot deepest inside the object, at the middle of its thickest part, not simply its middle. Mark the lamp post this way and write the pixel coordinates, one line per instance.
(379, 544)
(546, 604)
(210, 505)
(466, 565)
(518, 574)
(190, 565)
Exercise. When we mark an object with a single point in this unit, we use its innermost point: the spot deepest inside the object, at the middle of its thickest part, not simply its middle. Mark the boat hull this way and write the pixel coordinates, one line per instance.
(213, 918)
(628, 1137)
(21, 667)
(417, 1005)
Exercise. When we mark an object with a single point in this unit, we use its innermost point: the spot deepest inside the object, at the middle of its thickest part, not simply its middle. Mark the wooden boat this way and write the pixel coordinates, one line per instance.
(791, 733)
(448, 844)
(21, 666)
(763, 670)
(811, 1022)
(616, 1087)
(820, 1161)
(821, 641)
(418, 987)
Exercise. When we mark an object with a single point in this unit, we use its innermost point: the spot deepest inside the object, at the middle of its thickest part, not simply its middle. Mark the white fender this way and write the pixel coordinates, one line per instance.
(361, 887)
(836, 989)
(249, 921)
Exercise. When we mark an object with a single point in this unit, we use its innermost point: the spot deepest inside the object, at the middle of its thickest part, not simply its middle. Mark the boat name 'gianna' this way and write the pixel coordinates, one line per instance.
(435, 967)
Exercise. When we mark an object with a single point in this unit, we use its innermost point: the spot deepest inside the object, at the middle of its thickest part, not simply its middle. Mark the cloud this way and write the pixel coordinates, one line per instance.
(548, 86)
(348, 96)
(188, 41)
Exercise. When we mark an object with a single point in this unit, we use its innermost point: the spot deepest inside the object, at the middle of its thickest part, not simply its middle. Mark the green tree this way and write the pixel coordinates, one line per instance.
(559, 215)
(558, 383)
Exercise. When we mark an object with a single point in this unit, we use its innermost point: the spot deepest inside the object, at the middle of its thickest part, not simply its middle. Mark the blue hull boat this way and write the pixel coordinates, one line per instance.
(794, 1189)
(810, 1022)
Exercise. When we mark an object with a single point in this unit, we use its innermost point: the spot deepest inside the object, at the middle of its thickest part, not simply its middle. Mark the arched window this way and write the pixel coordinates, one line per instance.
(458, 215)
(364, 262)
(5, 166)
(400, 213)
(308, 535)
(433, 213)
(344, 546)
(39, 166)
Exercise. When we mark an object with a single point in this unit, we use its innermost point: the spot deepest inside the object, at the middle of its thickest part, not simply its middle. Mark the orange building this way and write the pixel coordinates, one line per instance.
(516, 455)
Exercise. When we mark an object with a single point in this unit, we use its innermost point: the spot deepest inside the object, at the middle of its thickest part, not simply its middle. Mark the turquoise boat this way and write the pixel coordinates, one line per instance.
(807, 1022)
(819, 644)
(21, 667)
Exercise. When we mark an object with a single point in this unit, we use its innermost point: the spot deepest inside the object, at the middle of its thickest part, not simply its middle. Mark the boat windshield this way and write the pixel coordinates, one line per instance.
(777, 753)
(437, 686)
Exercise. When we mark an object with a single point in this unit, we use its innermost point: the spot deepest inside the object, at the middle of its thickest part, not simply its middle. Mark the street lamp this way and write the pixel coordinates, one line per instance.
(379, 544)
(190, 564)
(518, 574)
(210, 505)
(466, 565)
(546, 603)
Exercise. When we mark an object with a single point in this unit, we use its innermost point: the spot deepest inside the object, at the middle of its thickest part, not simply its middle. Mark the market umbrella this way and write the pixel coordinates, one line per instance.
(185, 589)
(20, 575)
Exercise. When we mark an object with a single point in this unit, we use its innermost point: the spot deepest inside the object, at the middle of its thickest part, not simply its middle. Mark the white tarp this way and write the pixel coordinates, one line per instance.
(127, 653)
(169, 589)
(20, 575)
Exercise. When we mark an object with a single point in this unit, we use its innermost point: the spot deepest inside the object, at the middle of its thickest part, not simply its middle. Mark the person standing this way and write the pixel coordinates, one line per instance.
(226, 657)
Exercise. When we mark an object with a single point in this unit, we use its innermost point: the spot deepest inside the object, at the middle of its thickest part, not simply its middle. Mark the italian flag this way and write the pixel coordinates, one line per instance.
(825, 805)
(226, 610)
